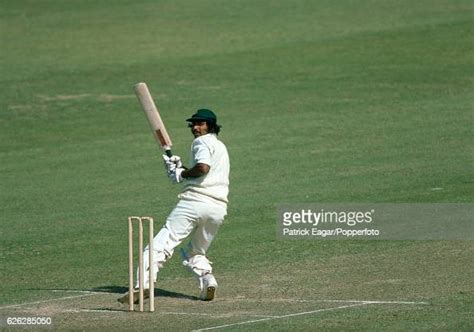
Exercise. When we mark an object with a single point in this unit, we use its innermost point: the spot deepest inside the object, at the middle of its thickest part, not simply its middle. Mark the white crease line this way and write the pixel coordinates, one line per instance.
(212, 315)
(183, 313)
(350, 301)
(78, 311)
(252, 315)
(280, 317)
(46, 301)
(392, 302)
(90, 293)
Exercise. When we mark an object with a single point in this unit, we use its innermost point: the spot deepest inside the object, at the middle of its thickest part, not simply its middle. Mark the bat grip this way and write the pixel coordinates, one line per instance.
(168, 153)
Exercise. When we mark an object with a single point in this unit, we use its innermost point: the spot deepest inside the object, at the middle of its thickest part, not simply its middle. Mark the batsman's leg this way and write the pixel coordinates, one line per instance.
(179, 225)
(195, 256)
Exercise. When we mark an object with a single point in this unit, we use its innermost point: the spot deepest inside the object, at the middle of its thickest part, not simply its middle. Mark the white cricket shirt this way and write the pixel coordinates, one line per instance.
(207, 149)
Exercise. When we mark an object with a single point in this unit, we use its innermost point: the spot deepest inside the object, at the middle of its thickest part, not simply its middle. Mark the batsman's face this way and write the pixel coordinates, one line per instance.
(199, 128)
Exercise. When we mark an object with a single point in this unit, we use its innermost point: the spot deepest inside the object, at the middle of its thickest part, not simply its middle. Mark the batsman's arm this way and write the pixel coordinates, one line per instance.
(198, 170)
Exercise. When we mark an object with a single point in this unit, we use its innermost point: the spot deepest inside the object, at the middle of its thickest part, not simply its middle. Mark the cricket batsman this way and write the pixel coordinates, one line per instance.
(201, 208)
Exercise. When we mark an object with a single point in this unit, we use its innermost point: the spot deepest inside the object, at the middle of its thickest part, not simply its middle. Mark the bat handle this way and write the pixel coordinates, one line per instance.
(168, 153)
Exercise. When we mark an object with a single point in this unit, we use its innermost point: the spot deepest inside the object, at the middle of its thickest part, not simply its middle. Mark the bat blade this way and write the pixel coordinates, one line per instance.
(153, 115)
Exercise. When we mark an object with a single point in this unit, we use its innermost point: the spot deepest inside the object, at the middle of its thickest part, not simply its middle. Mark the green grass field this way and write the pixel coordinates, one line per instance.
(320, 101)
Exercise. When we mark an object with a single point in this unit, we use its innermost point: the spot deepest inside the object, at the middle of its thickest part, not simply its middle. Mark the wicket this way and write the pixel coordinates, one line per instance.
(141, 274)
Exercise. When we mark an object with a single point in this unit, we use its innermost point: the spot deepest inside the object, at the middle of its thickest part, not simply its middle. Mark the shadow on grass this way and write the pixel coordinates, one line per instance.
(120, 290)
(158, 292)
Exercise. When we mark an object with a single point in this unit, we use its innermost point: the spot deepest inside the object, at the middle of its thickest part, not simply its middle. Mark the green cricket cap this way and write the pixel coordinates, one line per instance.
(203, 114)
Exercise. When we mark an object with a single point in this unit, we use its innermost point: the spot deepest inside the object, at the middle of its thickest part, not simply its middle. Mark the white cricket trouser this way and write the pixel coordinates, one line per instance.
(199, 218)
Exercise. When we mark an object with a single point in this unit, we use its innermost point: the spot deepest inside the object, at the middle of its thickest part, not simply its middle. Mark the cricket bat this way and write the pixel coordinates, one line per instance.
(153, 116)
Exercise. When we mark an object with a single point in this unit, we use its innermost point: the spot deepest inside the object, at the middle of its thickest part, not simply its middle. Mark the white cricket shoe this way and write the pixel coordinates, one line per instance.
(208, 287)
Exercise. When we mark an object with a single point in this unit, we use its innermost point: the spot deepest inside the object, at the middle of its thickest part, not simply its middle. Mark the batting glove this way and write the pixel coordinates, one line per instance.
(176, 176)
(177, 161)
(169, 165)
